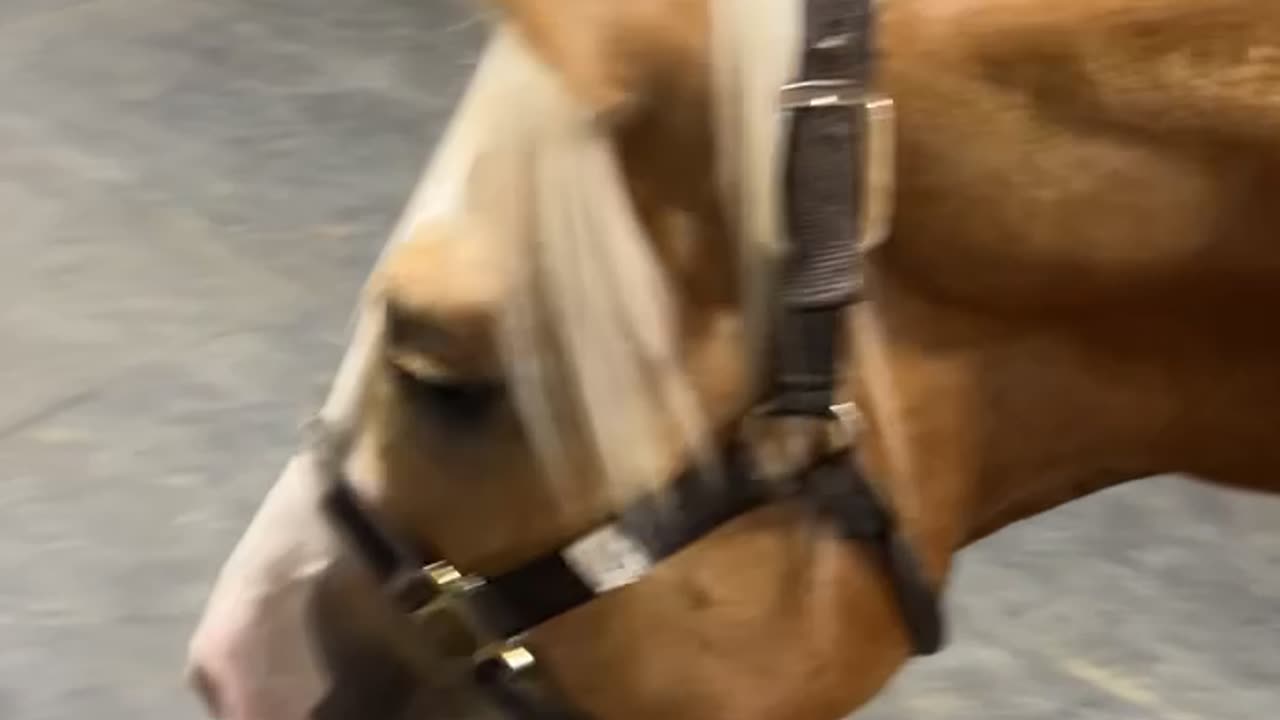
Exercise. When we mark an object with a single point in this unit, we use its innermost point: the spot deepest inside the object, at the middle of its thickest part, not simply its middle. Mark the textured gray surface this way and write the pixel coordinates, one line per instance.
(191, 192)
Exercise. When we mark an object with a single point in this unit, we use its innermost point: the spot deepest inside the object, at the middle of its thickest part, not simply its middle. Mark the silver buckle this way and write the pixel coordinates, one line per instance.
(878, 156)
(782, 445)
(821, 93)
(879, 183)
(846, 422)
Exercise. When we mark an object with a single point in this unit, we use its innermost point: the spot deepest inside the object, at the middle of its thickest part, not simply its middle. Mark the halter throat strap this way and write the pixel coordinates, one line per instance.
(826, 184)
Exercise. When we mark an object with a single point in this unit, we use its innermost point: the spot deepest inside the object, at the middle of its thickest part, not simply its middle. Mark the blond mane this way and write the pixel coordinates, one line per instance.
(589, 331)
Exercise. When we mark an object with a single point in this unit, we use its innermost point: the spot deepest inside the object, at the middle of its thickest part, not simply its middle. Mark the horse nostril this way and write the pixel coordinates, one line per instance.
(207, 689)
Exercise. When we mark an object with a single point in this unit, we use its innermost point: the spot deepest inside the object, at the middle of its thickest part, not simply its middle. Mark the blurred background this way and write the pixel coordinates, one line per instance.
(191, 193)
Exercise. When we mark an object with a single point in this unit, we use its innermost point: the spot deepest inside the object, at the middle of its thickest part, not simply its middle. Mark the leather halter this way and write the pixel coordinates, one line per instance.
(833, 123)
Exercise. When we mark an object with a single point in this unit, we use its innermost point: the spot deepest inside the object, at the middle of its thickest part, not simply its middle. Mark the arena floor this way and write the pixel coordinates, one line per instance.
(190, 194)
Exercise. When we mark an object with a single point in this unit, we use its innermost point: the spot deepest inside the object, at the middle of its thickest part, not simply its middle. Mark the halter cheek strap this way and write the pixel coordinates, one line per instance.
(822, 274)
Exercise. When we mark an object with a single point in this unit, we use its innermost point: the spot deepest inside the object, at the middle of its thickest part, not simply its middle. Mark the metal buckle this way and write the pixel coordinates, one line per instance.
(821, 93)
(506, 658)
(878, 171)
(446, 618)
(844, 426)
(453, 629)
(782, 445)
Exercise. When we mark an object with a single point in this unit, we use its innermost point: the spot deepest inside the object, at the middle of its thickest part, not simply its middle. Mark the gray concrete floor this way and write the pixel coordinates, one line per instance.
(191, 192)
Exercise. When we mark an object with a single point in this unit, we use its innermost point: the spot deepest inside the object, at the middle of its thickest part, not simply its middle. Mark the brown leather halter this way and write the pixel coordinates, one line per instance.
(834, 125)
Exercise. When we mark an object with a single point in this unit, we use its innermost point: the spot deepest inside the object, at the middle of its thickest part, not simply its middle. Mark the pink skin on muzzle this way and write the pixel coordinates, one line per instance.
(251, 657)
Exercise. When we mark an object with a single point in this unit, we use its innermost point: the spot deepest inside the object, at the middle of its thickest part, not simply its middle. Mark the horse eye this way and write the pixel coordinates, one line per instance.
(457, 402)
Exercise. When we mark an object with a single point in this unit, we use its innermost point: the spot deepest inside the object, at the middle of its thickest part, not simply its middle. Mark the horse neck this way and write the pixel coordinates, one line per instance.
(974, 423)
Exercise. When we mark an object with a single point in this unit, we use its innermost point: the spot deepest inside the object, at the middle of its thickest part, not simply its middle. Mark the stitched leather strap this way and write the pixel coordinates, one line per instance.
(821, 275)
(838, 491)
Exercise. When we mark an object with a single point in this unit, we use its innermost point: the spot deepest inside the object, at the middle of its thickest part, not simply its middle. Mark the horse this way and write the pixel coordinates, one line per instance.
(1065, 267)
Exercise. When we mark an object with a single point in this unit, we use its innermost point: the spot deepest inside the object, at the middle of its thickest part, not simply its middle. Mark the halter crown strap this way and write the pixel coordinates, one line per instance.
(821, 275)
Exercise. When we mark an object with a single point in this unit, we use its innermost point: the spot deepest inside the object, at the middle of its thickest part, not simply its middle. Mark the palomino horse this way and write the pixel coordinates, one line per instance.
(576, 310)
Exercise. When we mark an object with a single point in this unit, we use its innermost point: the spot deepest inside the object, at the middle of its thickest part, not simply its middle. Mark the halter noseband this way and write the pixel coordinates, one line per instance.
(482, 620)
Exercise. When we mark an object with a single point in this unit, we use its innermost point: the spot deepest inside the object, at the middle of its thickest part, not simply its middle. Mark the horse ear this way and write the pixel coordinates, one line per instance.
(611, 54)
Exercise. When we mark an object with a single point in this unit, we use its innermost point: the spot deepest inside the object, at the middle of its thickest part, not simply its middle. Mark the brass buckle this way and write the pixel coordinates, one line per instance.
(453, 628)
(446, 619)
(507, 658)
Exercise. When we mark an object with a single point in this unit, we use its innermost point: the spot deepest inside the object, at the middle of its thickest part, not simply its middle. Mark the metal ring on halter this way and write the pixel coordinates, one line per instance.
(783, 445)
(845, 425)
